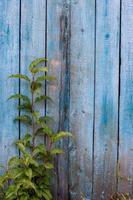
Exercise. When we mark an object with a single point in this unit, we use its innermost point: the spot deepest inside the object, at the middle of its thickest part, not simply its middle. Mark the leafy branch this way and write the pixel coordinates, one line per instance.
(29, 176)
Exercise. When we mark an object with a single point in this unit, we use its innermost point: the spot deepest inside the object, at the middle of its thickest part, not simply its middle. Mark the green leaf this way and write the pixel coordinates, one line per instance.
(24, 118)
(20, 146)
(27, 138)
(45, 77)
(35, 70)
(35, 86)
(14, 161)
(19, 96)
(28, 173)
(28, 184)
(16, 173)
(20, 76)
(26, 106)
(47, 130)
(47, 194)
(60, 135)
(45, 119)
(37, 62)
(56, 151)
(43, 97)
(48, 165)
(40, 149)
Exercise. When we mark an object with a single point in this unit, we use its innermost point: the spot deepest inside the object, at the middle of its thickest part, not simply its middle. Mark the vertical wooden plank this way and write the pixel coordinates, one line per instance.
(59, 58)
(9, 64)
(54, 65)
(81, 98)
(106, 98)
(32, 37)
(126, 98)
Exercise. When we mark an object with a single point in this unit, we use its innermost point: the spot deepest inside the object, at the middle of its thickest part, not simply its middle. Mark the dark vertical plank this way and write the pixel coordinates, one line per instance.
(106, 98)
(126, 98)
(32, 37)
(9, 64)
(81, 98)
(59, 64)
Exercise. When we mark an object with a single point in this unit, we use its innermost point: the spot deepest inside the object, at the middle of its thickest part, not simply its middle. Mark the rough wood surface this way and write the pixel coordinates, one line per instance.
(9, 64)
(126, 98)
(106, 98)
(32, 38)
(54, 64)
(59, 58)
(93, 94)
(81, 99)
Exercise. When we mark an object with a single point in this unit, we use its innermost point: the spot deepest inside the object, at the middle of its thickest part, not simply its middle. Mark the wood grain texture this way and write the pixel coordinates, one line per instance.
(9, 64)
(83, 44)
(81, 98)
(54, 64)
(32, 38)
(59, 56)
(126, 98)
(106, 98)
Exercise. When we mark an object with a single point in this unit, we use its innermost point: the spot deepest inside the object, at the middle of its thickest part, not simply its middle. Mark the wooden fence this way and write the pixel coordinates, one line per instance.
(89, 44)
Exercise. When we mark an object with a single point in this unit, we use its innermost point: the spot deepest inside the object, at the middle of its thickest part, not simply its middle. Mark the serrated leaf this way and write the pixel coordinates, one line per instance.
(45, 77)
(19, 96)
(21, 76)
(37, 62)
(41, 98)
(48, 165)
(60, 135)
(35, 70)
(56, 151)
(24, 118)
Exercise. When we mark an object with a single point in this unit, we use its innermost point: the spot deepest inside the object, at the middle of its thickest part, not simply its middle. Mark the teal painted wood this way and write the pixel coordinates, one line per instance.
(32, 37)
(68, 37)
(54, 10)
(126, 98)
(81, 98)
(106, 98)
(9, 64)
(59, 55)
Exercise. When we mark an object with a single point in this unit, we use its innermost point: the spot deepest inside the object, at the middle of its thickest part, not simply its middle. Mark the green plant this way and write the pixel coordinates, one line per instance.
(28, 176)
(120, 196)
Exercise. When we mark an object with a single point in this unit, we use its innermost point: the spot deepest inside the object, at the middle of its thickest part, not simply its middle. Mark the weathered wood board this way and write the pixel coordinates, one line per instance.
(32, 39)
(81, 98)
(58, 50)
(9, 64)
(106, 98)
(89, 47)
(126, 98)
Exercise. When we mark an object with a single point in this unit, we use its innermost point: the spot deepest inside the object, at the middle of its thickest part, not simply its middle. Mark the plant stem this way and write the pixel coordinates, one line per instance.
(33, 124)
